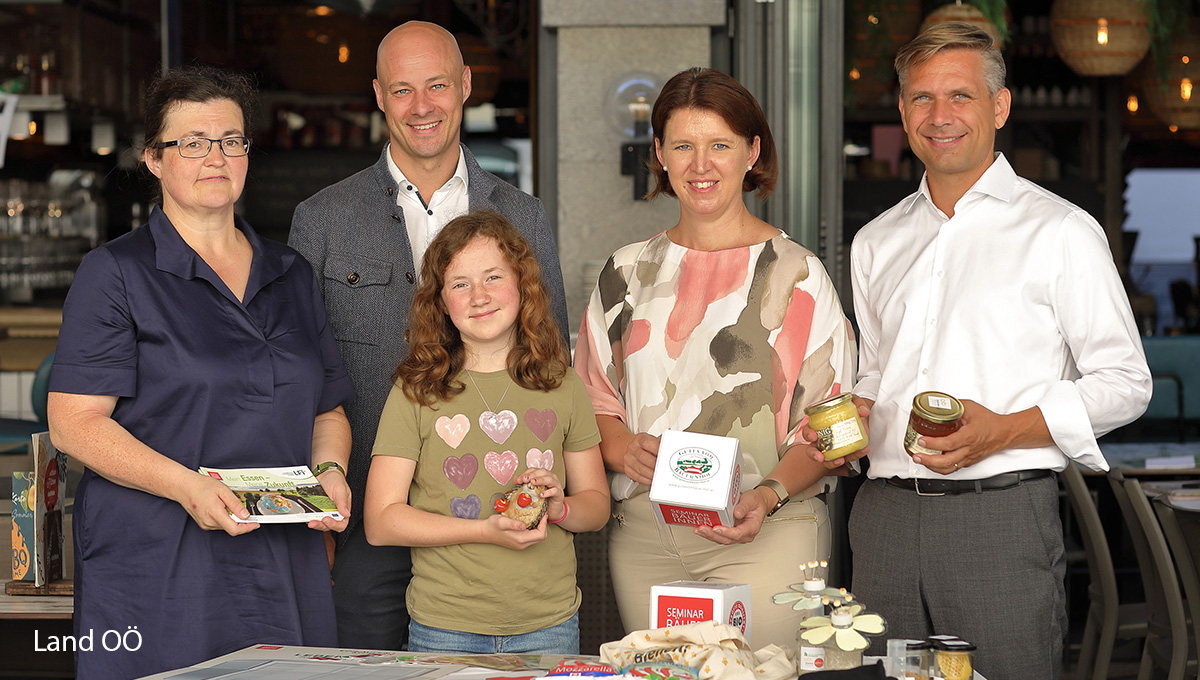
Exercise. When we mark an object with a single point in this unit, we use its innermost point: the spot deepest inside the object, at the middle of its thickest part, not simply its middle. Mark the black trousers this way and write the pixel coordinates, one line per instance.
(369, 586)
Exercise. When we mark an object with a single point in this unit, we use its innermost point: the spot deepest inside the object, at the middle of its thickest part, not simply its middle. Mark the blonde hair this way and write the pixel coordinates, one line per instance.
(952, 35)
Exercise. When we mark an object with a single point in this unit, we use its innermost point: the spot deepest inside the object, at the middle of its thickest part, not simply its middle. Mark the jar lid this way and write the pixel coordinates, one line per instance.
(841, 618)
(937, 407)
(934, 639)
(835, 400)
(914, 645)
(814, 585)
(953, 645)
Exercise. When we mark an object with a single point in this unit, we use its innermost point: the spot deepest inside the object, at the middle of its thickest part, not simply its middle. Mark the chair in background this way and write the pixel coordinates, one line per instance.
(1182, 531)
(1187, 305)
(1167, 647)
(1107, 620)
(1176, 395)
(15, 432)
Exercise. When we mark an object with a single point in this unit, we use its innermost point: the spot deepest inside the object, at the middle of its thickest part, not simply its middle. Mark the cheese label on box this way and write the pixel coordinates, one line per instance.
(697, 479)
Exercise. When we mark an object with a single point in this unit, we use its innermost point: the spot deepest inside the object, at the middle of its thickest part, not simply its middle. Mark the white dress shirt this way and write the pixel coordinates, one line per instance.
(1014, 302)
(424, 218)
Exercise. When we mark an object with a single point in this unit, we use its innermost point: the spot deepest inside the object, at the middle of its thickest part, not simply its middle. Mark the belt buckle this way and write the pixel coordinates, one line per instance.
(917, 486)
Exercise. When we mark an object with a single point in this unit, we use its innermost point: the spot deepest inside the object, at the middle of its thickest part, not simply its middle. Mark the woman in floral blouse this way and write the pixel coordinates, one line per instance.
(721, 325)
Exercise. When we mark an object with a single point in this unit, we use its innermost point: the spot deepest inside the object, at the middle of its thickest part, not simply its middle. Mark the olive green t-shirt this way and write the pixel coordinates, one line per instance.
(466, 457)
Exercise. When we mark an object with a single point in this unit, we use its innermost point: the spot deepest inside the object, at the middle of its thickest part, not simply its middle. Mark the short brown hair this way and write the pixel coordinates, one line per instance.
(201, 84)
(953, 35)
(538, 359)
(708, 89)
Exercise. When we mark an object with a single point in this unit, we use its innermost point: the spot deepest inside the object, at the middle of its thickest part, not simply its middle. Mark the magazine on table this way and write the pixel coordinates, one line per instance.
(277, 495)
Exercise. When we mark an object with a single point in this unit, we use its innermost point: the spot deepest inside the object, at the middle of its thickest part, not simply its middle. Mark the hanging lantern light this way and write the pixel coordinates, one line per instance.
(1099, 37)
(1171, 101)
(962, 13)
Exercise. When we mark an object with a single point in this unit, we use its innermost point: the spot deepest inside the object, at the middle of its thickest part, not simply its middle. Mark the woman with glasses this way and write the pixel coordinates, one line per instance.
(194, 342)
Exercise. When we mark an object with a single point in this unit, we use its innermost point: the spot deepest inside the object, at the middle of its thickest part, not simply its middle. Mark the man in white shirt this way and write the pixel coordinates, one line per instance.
(989, 288)
(365, 237)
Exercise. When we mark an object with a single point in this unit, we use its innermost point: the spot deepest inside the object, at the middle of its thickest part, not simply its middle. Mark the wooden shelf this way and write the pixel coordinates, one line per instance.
(41, 102)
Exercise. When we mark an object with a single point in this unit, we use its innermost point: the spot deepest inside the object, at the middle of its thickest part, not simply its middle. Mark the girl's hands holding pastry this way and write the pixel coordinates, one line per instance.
(511, 533)
(553, 494)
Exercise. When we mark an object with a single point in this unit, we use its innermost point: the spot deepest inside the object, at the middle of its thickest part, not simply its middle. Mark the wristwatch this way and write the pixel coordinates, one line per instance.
(329, 464)
(779, 490)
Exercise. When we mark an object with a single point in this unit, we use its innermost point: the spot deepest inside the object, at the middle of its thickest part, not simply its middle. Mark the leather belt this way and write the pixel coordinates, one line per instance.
(951, 487)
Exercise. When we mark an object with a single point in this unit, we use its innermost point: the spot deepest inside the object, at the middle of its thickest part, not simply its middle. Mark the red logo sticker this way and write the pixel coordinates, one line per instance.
(737, 616)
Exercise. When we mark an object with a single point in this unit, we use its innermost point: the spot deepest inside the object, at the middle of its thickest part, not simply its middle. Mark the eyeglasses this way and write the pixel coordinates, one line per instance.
(199, 147)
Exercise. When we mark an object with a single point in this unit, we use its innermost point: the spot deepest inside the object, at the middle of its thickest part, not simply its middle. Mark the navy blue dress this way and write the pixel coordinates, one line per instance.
(205, 380)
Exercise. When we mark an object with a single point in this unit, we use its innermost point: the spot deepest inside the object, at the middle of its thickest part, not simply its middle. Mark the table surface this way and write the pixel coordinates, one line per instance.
(24, 354)
(364, 663)
(1179, 494)
(30, 607)
(16, 317)
(361, 663)
(1149, 459)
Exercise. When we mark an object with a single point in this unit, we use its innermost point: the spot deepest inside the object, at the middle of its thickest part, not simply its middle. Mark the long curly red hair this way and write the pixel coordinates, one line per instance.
(537, 361)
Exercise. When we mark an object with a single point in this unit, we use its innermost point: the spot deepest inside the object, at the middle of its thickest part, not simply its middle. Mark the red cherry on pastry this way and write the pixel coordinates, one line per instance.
(524, 500)
(500, 505)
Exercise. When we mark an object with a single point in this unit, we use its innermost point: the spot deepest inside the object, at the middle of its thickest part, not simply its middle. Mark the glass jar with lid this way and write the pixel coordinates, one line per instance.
(916, 660)
(953, 660)
(934, 414)
(836, 658)
(840, 430)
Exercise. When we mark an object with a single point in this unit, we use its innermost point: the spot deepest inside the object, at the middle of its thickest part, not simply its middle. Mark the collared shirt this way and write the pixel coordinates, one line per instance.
(1013, 302)
(425, 218)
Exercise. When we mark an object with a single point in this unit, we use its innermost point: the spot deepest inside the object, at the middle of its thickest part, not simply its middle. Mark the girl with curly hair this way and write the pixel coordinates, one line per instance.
(486, 386)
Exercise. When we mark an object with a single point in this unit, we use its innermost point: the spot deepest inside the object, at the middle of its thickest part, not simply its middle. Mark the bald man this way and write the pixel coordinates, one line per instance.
(365, 237)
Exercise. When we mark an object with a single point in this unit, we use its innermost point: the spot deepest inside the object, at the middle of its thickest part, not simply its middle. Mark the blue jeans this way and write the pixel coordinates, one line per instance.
(560, 639)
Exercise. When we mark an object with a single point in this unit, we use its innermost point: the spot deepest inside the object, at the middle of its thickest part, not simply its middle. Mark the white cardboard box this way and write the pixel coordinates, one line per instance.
(681, 602)
(697, 479)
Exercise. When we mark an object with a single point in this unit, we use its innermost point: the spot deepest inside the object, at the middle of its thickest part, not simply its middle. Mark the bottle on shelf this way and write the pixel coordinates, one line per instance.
(47, 79)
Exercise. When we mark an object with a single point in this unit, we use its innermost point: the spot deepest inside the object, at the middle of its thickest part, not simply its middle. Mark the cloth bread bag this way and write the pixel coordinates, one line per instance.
(715, 650)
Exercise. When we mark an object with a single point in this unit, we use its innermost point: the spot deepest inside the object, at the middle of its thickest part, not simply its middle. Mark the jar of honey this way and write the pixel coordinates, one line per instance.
(934, 414)
(953, 660)
(839, 428)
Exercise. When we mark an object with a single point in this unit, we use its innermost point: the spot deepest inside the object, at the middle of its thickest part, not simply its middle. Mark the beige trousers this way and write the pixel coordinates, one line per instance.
(643, 553)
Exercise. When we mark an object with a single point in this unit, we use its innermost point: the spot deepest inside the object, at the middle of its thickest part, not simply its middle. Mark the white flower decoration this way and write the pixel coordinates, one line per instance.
(845, 625)
(807, 596)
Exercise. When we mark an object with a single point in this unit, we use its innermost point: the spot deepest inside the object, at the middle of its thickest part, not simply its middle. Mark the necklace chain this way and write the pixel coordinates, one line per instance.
(483, 398)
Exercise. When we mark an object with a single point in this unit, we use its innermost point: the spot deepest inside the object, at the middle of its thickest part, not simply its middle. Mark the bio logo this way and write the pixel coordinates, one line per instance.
(694, 464)
(737, 616)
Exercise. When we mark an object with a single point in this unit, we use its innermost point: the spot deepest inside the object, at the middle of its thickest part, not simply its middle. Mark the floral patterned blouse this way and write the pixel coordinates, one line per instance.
(732, 342)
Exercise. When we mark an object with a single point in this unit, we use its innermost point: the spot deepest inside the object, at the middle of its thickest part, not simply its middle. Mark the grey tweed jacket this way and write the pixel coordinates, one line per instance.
(354, 235)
